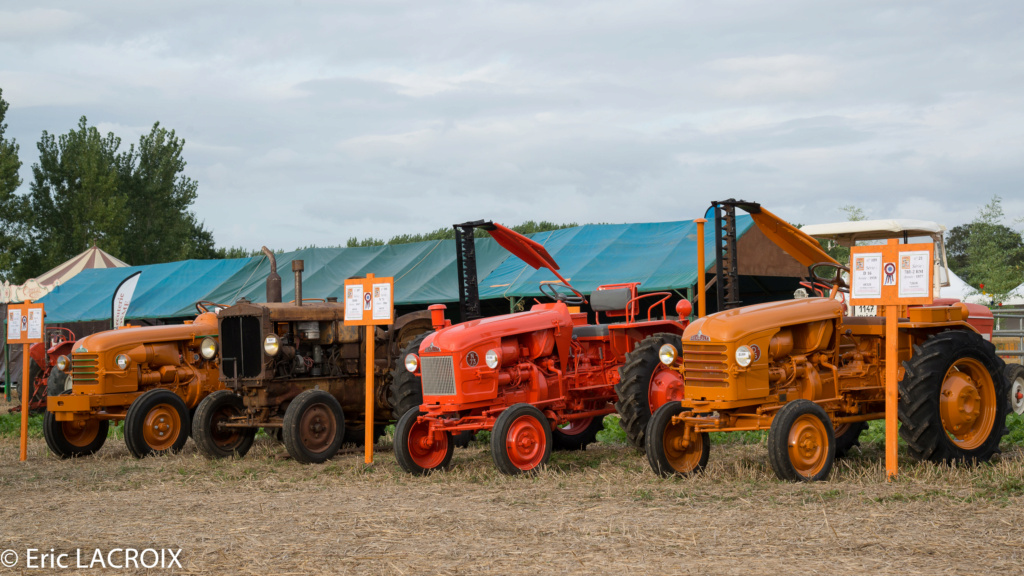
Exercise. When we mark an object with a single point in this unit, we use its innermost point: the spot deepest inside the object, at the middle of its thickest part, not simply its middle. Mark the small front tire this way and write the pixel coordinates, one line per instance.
(663, 443)
(314, 427)
(521, 440)
(801, 442)
(214, 441)
(156, 423)
(412, 451)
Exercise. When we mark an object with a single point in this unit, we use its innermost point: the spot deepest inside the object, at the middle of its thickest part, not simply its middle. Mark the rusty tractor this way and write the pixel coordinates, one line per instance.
(149, 377)
(813, 376)
(539, 380)
(296, 370)
(44, 358)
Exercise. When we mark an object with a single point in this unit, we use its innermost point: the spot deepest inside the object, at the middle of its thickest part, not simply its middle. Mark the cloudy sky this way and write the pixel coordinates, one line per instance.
(311, 122)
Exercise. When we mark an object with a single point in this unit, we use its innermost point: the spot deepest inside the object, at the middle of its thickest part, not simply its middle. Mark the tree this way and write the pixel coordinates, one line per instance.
(987, 252)
(12, 206)
(839, 253)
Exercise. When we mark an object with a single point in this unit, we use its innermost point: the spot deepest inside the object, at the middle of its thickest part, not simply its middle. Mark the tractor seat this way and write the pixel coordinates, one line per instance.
(590, 331)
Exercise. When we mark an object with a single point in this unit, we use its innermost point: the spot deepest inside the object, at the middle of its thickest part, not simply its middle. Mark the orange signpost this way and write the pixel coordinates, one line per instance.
(25, 327)
(369, 302)
(891, 275)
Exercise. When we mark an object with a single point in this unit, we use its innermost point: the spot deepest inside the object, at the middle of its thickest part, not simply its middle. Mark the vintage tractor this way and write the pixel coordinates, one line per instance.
(44, 357)
(538, 379)
(295, 369)
(150, 377)
(813, 377)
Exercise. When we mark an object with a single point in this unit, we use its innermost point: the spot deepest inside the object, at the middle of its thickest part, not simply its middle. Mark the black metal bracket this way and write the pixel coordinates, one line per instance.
(465, 252)
(726, 263)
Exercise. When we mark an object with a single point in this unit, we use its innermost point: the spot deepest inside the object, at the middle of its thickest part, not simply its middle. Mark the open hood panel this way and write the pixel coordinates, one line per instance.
(525, 249)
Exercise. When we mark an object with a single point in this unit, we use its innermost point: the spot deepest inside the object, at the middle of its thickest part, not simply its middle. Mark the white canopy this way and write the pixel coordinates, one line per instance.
(1016, 296)
(848, 232)
(36, 288)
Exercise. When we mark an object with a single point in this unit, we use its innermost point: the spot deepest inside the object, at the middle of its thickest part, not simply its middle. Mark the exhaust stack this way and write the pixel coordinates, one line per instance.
(297, 267)
(273, 279)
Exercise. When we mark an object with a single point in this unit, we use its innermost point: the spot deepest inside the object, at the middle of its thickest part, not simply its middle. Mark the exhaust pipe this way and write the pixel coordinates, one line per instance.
(273, 279)
(297, 267)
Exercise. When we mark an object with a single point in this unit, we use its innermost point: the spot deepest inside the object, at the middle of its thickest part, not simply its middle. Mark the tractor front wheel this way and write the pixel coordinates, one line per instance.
(670, 451)
(1015, 376)
(645, 384)
(953, 399)
(156, 423)
(417, 450)
(577, 434)
(801, 442)
(214, 441)
(521, 440)
(76, 438)
(314, 427)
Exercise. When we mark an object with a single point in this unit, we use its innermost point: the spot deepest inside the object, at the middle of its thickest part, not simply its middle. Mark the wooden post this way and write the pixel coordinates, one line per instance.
(891, 391)
(702, 307)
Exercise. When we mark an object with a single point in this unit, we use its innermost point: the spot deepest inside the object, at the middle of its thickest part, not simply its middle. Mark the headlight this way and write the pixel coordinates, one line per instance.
(122, 361)
(667, 354)
(412, 362)
(208, 348)
(271, 345)
(62, 363)
(492, 359)
(744, 356)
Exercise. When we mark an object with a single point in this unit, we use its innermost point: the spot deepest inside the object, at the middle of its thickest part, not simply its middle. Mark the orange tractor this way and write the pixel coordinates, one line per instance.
(813, 376)
(539, 379)
(149, 377)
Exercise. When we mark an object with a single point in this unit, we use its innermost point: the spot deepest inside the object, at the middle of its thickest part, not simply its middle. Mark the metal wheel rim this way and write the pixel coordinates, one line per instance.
(161, 427)
(967, 403)
(317, 428)
(661, 390)
(526, 442)
(426, 457)
(81, 433)
(1017, 395)
(683, 460)
(224, 437)
(808, 445)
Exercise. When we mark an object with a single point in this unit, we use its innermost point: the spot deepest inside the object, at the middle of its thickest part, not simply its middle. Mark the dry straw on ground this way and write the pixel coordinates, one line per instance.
(596, 512)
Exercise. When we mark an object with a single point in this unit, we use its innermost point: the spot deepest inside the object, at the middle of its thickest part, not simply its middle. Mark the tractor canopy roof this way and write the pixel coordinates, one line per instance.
(848, 233)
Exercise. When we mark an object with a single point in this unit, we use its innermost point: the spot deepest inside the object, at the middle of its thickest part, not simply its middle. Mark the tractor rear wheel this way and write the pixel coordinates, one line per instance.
(412, 450)
(35, 393)
(355, 432)
(801, 442)
(663, 443)
(406, 391)
(577, 434)
(156, 423)
(74, 439)
(847, 436)
(645, 384)
(953, 399)
(55, 382)
(521, 439)
(314, 427)
(1015, 376)
(214, 441)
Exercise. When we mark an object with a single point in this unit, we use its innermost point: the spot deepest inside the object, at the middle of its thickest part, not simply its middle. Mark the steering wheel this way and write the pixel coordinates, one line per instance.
(201, 306)
(836, 281)
(574, 299)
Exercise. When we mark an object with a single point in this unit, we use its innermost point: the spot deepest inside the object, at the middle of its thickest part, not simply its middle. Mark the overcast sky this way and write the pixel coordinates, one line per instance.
(311, 122)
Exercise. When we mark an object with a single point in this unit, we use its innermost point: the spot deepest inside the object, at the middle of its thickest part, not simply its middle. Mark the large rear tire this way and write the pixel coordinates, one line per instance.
(157, 423)
(645, 384)
(801, 442)
(953, 399)
(214, 441)
(314, 427)
(847, 436)
(406, 390)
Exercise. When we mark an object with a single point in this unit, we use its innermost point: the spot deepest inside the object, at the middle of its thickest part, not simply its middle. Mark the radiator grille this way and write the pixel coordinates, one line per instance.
(84, 368)
(438, 376)
(705, 364)
(242, 347)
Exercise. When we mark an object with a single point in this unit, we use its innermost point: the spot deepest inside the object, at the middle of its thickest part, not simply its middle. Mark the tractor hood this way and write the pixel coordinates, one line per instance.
(735, 324)
(530, 252)
(204, 325)
(468, 334)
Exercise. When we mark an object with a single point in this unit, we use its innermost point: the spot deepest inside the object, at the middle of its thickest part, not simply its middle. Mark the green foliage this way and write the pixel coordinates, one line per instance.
(613, 432)
(839, 253)
(236, 252)
(448, 233)
(12, 206)
(354, 242)
(10, 424)
(133, 203)
(987, 252)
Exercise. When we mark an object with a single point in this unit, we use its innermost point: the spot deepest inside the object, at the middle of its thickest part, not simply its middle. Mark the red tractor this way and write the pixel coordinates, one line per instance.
(43, 356)
(539, 379)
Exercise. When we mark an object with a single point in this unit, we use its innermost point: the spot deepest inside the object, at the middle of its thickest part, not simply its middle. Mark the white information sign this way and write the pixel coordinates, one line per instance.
(35, 324)
(13, 325)
(914, 275)
(353, 302)
(867, 276)
(381, 301)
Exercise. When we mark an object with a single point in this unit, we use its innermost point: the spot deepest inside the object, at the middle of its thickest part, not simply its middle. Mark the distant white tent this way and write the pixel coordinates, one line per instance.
(1016, 296)
(36, 288)
(962, 291)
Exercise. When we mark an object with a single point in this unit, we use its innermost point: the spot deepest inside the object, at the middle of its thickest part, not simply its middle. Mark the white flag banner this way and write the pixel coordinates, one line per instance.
(123, 299)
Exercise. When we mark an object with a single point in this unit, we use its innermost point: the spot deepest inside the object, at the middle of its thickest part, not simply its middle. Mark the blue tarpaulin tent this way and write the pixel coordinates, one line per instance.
(661, 256)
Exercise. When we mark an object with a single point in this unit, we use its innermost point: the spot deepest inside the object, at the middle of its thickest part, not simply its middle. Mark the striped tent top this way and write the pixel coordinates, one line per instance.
(92, 258)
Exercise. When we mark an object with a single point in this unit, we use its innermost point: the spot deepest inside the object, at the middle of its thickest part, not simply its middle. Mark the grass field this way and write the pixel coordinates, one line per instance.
(601, 511)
